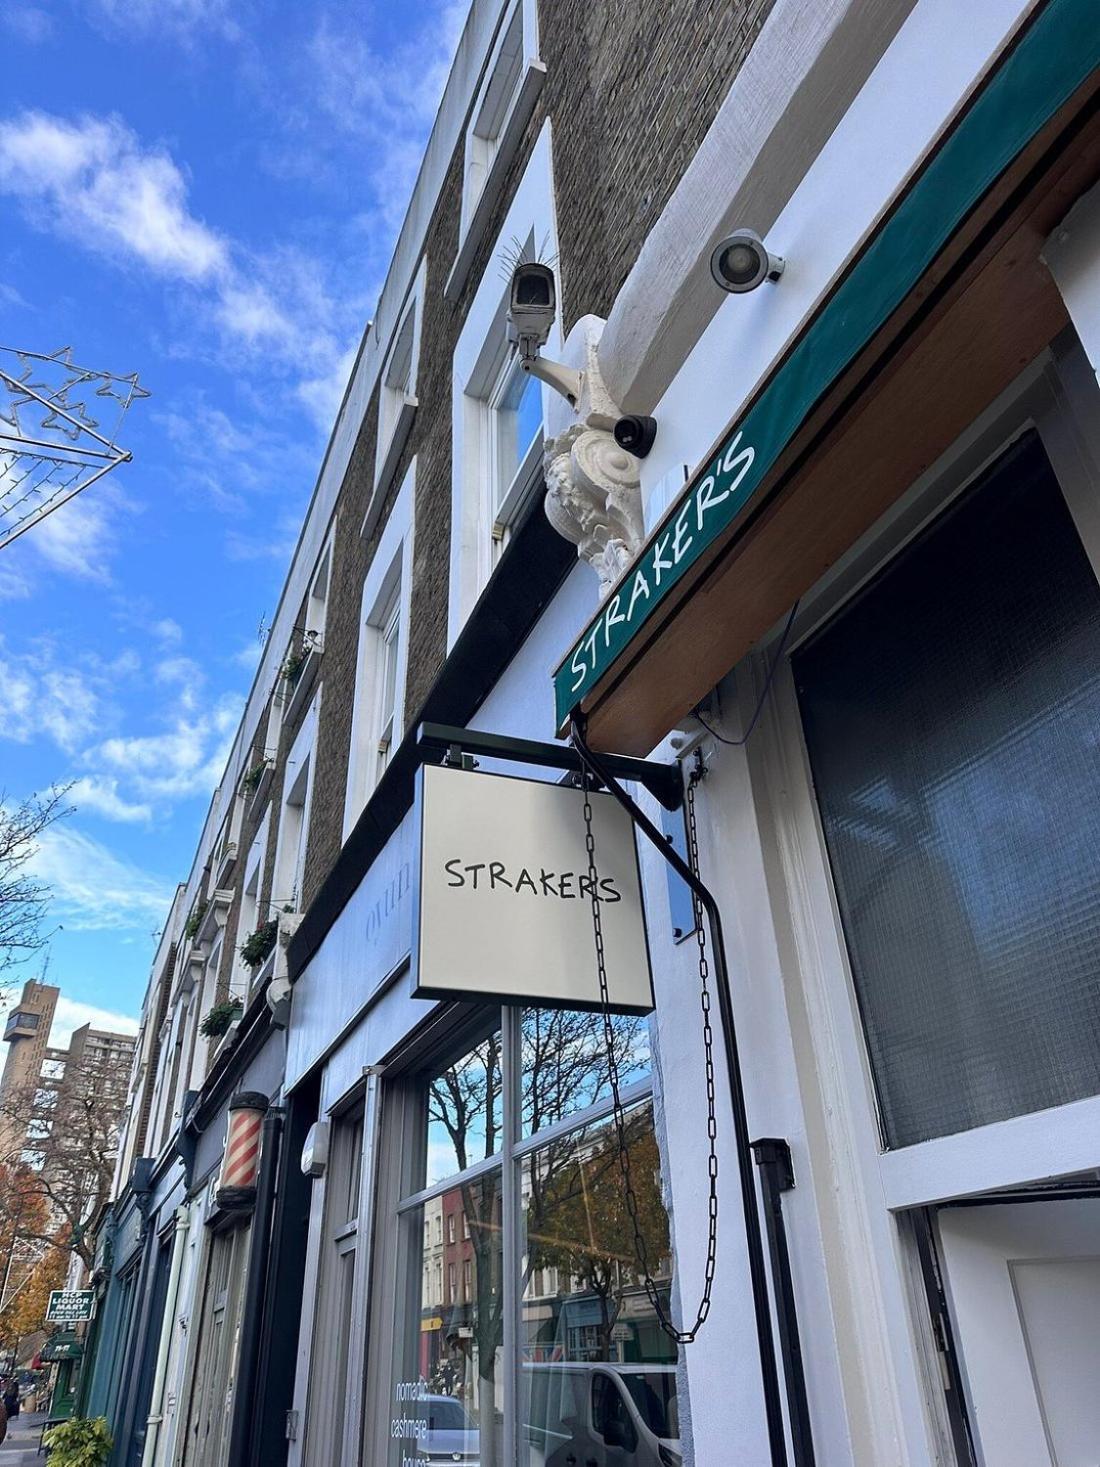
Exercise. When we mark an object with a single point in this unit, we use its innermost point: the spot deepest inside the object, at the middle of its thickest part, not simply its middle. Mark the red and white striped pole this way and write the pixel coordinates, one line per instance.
(241, 1161)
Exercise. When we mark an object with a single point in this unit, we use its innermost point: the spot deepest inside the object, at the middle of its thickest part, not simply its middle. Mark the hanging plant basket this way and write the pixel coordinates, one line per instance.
(194, 922)
(216, 1021)
(250, 783)
(258, 945)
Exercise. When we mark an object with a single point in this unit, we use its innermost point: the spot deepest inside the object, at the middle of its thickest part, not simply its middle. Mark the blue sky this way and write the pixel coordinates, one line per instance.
(205, 192)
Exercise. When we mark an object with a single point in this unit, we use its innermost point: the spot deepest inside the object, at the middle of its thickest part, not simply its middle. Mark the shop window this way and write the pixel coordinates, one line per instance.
(535, 1339)
(950, 715)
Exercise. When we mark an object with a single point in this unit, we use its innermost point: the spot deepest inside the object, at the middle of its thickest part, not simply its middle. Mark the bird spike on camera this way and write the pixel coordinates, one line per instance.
(55, 441)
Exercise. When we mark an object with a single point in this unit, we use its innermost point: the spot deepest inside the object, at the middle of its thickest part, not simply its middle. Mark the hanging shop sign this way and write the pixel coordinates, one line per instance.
(504, 900)
(1054, 56)
(66, 1306)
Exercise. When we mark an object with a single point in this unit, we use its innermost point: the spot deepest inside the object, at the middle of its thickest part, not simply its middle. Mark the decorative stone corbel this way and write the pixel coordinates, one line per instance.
(594, 495)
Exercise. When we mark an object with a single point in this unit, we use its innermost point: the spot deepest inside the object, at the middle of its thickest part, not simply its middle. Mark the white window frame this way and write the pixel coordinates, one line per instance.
(317, 600)
(479, 369)
(294, 815)
(387, 591)
(397, 399)
(873, 1189)
(252, 885)
(510, 85)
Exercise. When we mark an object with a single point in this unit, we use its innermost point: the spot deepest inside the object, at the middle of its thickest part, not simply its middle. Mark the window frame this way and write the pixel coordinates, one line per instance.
(254, 870)
(387, 592)
(297, 794)
(402, 1142)
(397, 386)
(494, 130)
(482, 359)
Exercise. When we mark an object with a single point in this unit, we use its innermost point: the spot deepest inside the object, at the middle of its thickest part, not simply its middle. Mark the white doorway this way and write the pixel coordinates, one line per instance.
(1023, 1286)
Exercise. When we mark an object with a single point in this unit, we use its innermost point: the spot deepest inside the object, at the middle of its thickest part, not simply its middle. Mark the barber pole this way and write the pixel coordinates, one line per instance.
(241, 1162)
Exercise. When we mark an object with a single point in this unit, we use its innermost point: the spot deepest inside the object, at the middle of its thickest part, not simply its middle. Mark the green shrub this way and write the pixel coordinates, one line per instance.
(194, 922)
(79, 1443)
(251, 781)
(257, 945)
(218, 1019)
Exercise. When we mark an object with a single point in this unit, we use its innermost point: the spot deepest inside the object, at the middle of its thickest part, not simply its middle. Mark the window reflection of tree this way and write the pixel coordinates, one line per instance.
(578, 1221)
(575, 1207)
(465, 1099)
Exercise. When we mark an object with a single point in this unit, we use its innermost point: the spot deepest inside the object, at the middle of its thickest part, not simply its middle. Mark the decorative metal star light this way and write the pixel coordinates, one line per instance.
(52, 447)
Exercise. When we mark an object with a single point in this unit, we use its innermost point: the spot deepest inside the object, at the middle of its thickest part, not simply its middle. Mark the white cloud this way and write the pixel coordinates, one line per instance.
(14, 584)
(98, 184)
(322, 396)
(168, 633)
(188, 759)
(47, 699)
(183, 670)
(93, 180)
(93, 889)
(9, 296)
(27, 23)
(180, 19)
(100, 796)
(79, 539)
(71, 1014)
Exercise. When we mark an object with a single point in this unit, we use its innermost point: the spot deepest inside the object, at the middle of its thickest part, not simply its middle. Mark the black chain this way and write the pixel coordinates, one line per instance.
(641, 1248)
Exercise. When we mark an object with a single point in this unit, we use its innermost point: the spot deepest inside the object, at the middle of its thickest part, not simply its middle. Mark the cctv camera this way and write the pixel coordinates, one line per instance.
(741, 262)
(636, 434)
(531, 307)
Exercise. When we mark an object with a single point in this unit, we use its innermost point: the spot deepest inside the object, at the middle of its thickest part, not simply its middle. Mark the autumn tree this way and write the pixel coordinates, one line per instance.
(68, 1144)
(23, 898)
(24, 1311)
(565, 1066)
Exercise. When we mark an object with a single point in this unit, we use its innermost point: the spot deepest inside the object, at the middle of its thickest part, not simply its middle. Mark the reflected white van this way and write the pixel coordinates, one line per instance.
(600, 1415)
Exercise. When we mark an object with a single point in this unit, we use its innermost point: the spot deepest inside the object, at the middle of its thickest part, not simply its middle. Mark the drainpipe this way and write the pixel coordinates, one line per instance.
(164, 1346)
(254, 1314)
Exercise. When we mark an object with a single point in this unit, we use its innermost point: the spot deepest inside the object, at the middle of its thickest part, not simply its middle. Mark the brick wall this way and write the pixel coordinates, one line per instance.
(632, 86)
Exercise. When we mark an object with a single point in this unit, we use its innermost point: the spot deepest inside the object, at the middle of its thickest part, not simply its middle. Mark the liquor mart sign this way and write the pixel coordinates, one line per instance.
(68, 1306)
(504, 907)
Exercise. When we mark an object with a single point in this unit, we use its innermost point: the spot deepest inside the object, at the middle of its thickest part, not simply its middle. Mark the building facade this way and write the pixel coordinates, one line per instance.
(850, 593)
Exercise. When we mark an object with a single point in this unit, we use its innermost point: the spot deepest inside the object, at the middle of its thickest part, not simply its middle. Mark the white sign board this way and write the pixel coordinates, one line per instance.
(504, 906)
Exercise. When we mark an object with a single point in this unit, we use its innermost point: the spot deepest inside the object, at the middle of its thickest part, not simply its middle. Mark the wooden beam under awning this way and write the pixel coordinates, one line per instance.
(985, 309)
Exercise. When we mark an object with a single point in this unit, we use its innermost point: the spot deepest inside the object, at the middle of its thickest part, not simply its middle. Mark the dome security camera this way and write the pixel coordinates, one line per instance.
(636, 434)
(741, 262)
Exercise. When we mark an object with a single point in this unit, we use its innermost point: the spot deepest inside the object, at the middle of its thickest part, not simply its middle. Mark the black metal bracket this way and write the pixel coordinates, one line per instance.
(440, 743)
(600, 768)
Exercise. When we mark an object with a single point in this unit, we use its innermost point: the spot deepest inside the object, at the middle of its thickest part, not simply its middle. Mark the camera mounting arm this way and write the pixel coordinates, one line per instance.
(564, 380)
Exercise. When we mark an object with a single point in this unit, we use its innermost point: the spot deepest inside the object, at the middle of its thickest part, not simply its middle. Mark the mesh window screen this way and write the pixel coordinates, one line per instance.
(952, 716)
